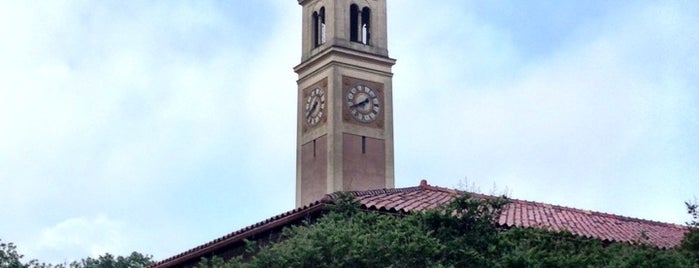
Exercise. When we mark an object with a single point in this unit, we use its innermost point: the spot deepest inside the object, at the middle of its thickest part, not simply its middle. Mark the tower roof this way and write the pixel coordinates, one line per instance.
(517, 213)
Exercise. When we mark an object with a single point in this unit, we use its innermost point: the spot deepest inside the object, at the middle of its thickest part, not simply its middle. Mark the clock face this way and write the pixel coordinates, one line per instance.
(314, 106)
(363, 103)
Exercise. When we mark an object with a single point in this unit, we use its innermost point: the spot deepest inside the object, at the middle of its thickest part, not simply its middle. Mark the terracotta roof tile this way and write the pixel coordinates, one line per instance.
(521, 213)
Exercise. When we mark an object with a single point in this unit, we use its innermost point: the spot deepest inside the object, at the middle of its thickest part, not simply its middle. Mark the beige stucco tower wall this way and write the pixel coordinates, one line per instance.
(345, 108)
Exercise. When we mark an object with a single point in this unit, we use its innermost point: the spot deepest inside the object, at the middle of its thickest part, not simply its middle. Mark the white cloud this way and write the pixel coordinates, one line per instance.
(104, 107)
(593, 119)
(82, 236)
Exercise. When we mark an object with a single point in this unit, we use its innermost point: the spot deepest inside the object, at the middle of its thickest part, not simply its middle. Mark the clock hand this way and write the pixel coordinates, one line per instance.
(310, 111)
(361, 103)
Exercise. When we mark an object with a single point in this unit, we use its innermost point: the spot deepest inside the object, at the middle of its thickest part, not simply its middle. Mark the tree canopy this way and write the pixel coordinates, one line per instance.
(10, 258)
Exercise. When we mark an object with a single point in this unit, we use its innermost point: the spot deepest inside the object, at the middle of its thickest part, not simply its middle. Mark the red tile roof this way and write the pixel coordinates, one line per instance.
(517, 213)
(521, 213)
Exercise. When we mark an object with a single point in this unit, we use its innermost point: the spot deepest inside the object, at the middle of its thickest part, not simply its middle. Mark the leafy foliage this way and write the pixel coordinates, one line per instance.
(110, 261)
(460, 234)
(691, 239)
(693, 210)
(526, 247)
(10, 258)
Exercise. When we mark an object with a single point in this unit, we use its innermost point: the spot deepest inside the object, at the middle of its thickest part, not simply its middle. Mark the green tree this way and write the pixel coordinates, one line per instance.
(690, 242)
(110, 261)
(10, 258)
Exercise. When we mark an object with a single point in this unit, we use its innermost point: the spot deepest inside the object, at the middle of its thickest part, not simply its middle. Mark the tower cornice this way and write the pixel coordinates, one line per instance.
(339, 54)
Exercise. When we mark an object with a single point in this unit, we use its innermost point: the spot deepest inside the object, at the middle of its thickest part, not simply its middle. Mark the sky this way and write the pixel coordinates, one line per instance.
(157, 126)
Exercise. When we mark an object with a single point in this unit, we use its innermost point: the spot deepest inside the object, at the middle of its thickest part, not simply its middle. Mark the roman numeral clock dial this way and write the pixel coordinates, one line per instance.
(363, 103)
(314, 106)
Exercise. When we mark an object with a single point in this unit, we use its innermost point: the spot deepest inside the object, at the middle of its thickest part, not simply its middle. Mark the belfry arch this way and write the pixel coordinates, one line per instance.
(360, 24)
(319, 27)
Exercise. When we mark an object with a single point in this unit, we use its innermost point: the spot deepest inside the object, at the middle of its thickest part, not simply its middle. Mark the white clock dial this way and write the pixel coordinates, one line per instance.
(363, 103)
(314, 106)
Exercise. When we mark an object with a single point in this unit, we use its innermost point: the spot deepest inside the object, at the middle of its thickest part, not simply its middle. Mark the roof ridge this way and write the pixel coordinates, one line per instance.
(318, 204)
(425, 185)
(335, 195)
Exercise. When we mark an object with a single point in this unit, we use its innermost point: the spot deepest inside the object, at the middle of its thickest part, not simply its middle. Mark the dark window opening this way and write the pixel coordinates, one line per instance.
(363, 144)
(314, 148)
(319, 27)
(354, 23)
(360, 24)
(366, 29)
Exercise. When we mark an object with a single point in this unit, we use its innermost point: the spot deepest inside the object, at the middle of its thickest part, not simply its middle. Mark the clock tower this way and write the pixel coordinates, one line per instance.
(345, 110)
